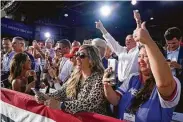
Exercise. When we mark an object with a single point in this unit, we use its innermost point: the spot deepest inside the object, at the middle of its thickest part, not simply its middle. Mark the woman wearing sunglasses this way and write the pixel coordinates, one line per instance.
(83, 91)
(150, 95)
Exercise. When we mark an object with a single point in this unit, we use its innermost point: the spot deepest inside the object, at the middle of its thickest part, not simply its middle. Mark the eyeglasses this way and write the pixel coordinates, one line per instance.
(81, 55)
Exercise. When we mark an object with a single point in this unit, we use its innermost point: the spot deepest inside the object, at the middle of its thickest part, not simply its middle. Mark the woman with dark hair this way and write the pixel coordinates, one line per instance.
(150, 95)
(83, 91)
(21, 77)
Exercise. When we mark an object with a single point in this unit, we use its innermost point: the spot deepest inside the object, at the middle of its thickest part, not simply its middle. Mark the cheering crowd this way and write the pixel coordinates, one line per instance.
(140, 82)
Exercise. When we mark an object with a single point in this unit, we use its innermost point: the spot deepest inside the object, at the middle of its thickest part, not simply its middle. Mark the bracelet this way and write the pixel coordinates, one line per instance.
(62, 105)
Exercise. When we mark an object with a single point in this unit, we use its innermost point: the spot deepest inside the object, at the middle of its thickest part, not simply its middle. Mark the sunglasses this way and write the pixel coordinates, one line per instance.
(81, 55)
(16, 43)
(58, 49)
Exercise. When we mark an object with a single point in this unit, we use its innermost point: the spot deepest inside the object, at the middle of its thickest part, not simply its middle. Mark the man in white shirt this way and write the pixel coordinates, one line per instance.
(127, 56)
(66, 66)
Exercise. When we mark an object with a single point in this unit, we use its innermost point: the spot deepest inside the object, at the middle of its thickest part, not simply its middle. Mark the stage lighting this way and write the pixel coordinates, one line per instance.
(105, 10)
(47, 35)
(134, 2)
(66, 15)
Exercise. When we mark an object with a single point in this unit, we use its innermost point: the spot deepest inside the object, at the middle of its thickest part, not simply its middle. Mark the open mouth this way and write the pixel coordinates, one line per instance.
(142, 65)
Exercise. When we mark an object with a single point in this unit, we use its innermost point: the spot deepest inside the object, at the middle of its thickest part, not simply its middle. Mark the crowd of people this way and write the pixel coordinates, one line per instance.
(77, 77)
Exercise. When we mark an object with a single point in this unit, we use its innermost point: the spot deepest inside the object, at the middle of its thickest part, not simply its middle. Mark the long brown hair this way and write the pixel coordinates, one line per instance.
(144, 93)
(16, 65)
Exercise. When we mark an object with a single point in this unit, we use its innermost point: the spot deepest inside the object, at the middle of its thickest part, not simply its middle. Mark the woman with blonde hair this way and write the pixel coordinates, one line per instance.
(84, 90)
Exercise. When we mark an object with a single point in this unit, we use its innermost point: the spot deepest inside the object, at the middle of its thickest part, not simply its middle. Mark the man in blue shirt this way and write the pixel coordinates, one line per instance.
(8, 54)
(7, 48)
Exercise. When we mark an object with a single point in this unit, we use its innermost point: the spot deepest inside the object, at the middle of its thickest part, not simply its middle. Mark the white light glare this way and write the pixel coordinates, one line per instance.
(47, 35)
(134, 2)
(66, 15)
(105, 10)
(151, 18)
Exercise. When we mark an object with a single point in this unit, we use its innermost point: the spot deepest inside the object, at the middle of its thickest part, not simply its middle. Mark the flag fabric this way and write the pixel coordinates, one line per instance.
(20, 107)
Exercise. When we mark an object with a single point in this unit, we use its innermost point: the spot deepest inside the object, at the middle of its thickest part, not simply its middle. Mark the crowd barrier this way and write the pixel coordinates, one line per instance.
(19, 107)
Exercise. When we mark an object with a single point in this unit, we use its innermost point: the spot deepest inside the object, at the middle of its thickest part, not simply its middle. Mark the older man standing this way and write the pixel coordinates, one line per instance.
(101, 45)
(128, 55)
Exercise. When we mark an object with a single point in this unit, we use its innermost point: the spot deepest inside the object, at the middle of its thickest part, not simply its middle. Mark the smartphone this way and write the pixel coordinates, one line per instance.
(30, 79)
(37, 82)
(113, 64)
(41, 95)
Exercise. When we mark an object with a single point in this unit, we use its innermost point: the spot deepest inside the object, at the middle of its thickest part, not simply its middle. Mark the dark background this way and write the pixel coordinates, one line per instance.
(80, 23)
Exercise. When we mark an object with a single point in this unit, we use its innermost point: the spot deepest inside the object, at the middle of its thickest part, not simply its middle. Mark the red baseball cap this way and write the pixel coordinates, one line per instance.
(72, 52)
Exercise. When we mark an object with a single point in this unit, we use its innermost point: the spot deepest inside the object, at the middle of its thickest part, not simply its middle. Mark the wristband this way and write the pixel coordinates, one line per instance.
(63, 106)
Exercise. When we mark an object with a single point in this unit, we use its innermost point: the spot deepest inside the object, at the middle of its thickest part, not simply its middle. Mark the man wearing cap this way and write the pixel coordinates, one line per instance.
(72, 56)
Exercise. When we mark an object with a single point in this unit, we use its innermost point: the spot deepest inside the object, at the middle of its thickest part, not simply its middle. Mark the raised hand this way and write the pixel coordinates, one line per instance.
(52, 72)
(142, 35)
(99, 25)
(137, 16)
(35, 45)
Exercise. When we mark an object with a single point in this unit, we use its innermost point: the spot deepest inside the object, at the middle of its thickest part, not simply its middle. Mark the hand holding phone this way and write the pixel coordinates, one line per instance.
(112, 63)
(40, 97)
(30, 79)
